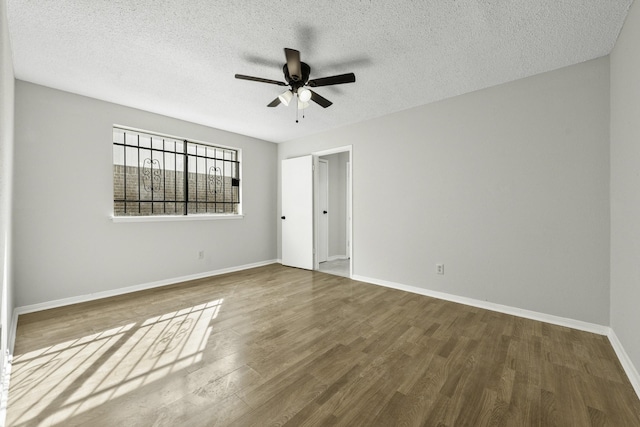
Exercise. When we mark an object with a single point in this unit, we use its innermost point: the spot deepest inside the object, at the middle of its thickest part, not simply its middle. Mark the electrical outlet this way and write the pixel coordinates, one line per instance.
(439, 268)
(201, 255)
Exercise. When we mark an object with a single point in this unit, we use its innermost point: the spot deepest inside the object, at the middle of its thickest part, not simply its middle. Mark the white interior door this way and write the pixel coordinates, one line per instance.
(297, 212)
(323, 210)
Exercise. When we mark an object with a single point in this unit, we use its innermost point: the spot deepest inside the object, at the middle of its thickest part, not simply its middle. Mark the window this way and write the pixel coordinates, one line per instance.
(161, 175)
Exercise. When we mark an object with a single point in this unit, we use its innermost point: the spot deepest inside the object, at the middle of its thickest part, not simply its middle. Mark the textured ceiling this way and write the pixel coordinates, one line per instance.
(179, 58)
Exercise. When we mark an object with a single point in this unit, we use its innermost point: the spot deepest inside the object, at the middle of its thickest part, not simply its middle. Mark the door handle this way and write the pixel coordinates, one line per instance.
(324, 212)
(282, 217)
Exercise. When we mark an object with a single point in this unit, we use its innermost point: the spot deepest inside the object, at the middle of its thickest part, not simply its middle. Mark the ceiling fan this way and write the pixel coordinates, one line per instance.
(296, 73)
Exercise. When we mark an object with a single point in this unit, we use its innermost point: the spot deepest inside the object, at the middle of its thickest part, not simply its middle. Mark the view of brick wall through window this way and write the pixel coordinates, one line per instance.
(153, 178)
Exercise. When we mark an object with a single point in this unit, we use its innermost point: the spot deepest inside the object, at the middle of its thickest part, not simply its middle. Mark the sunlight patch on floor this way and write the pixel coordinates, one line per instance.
(78, 375)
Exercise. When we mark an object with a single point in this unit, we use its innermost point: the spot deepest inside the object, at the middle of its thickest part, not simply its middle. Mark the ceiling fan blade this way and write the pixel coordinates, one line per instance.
(320, 100)
(333, 80)
(260, 79)
(274, 103)
(293, 64)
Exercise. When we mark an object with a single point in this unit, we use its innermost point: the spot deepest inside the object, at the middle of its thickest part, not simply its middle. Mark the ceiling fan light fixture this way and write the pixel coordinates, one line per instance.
(285, 98)
(304, 94)
(302, 105)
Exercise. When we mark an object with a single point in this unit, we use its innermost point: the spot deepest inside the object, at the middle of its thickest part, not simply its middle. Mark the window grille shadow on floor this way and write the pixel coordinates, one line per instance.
(76, 376)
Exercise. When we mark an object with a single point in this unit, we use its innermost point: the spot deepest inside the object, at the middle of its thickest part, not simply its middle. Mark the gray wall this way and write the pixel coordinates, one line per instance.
(6, 175)
(337, 204)
(67, 244)
(625, 186)
(507, 186)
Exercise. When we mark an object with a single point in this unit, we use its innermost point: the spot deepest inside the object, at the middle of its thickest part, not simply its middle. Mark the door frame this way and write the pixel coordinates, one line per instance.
(323, 205)
(316, 196)
(349, 207)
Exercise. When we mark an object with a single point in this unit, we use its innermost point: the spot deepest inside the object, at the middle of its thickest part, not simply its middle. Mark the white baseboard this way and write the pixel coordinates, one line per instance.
(11, 335)
(625, 361)
(528, 314)
(337, 257)
(121, 291)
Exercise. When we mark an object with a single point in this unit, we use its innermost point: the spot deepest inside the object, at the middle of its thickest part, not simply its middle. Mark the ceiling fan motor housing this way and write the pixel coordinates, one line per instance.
(297, 81)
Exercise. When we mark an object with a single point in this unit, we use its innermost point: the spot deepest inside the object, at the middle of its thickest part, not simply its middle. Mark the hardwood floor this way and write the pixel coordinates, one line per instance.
(282, 346)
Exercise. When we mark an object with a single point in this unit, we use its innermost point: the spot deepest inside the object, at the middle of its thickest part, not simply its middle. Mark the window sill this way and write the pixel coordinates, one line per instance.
(160, 218)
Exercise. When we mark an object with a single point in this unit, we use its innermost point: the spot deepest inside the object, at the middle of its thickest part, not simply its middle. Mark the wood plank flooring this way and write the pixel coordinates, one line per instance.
(288, 347)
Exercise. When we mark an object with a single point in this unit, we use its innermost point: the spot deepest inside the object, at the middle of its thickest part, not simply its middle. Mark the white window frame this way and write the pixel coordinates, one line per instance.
(188, 216)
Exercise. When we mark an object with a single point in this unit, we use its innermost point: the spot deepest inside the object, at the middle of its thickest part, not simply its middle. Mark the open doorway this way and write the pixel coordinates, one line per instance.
(333, 212)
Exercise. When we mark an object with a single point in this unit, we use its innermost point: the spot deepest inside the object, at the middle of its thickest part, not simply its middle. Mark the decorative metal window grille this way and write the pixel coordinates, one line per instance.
(160, 175)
